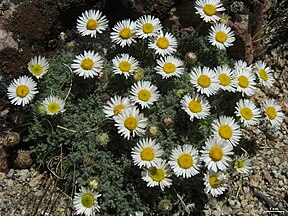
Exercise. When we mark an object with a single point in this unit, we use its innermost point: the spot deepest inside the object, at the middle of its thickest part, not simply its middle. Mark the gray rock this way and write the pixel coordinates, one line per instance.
(276, 160)
(10, 173)
(216, 213)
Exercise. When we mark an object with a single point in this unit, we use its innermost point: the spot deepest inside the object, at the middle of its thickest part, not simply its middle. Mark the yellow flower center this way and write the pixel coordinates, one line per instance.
(53, 107)
(22, 91)
(221, 37)
(144, 95)
(147, 28)
(271, 112)
(157, 174)
(195, 106)
(216, 153)
(36, 69)
(131, 123)
(243, 81)
(209, 9)
(92, 24)
(214, 182)
(263, 75)
(225, 131)
(125, 33)
(185, 161)
(125, 66)
(87, 64)
(147, 154)
(162, 43)
(204, 81)
(169, 68)
(118, 109)
(87, 200)
(224, 79)
(246, 113)
(239, 164)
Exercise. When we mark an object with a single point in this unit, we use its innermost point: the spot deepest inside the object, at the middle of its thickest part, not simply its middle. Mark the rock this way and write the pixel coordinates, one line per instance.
(35, 181)
(10, 173)
(6, 39)
(281, 183)
(276, 160)
(255, 180)
(23, 159)
(267, 176)
(39, 193)
(2, 175)
(216, 213)
(244, 203)
(226, 210)
(23, 175)
(3, 160)
(10, 183)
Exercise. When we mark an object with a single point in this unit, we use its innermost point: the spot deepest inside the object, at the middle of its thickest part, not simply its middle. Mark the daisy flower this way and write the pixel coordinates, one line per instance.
(221, 36)
(242, 165)
(130, 122)
(207, 9)
(204, 80)
(272, 110)
(241, 65)
(225, 128)
(124, 64)
(53, 105)
(116, 105)
(123, 33)
(144, 93)
(163, 44)
(91, 22)
(247, 111)
(85, 202)
(169, 66)
(22, 90)
(158, 176)
(147, 153)
(264, 74)
(38, 66)
(147, 26)
(225, 78)
(196, 106)
(245, 82)
(216, 153)
(184, 161)
(88, 64)
(215, 183)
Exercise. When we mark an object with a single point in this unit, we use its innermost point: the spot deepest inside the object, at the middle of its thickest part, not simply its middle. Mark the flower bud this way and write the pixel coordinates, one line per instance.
(94, 183)
(167, 121)
(165, 205)
(152, 130)
(103, 138)
(180, 93)
(138, 75)
(191, 57)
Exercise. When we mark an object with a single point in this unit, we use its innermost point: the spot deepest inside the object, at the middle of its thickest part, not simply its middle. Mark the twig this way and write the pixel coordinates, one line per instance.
(44, 194)
(70, 87)
(61, 127)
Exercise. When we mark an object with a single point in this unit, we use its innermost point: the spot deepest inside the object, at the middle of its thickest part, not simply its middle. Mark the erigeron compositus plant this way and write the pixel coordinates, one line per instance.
(157, 108)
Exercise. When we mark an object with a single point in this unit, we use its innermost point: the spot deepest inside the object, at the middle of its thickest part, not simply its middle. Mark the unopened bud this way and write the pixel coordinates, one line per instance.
(94, 183)
(191, 57)
(138, 75)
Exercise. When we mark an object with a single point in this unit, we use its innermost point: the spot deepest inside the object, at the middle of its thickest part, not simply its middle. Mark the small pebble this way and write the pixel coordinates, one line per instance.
(10, 173)
(276, 160)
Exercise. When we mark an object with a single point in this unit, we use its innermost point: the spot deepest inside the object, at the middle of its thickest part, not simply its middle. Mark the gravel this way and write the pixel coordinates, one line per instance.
(27, 192)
